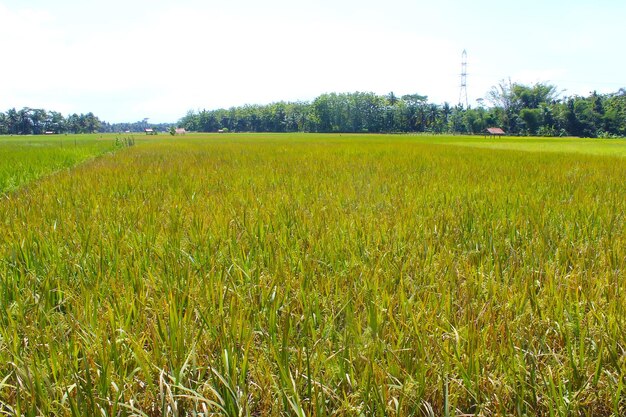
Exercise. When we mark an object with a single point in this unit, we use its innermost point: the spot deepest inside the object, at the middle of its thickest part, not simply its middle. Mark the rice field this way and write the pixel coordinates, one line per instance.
(318, 275)
(24, 159)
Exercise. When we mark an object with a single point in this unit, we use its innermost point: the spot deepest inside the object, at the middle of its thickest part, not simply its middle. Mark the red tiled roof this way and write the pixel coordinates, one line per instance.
(495, 131)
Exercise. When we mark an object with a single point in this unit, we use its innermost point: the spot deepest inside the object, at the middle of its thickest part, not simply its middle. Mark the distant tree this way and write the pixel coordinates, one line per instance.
(55, 122)
(532, 120)
(322, 116)
(4, 127)
(25, 126)
(415, 112)
(12, 121)
(512, 98)
(91, 123)
(38, 119)
(585, 119)
(446, 111)
(615, 113)
(433, 118)
(73, 123)
(531, 97)
(517, 108)
(456, 123)
(392, 99)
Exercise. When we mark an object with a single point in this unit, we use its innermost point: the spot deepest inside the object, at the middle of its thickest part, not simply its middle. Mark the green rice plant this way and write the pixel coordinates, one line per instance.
(318, 275)
(23, 159)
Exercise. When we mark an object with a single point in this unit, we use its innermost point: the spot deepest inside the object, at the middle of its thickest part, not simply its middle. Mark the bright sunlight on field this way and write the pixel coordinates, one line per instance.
(318, 275)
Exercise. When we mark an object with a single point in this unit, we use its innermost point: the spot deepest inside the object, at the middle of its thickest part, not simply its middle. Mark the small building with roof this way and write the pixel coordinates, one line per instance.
(494, 131)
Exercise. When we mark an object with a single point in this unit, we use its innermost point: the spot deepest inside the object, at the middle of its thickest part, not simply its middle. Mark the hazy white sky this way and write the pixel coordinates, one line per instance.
(126, 60)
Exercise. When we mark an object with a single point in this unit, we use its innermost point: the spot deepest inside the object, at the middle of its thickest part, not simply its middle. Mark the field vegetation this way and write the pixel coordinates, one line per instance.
(319, 275)
(23, 159)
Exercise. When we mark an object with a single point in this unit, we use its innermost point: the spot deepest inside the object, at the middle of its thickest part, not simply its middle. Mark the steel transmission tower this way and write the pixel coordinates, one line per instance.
(463, 93)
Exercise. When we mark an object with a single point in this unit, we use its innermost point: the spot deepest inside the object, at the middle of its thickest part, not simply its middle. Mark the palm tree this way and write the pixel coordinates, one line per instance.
(24, 121)
(38, 120)
(12, 121)
(392, 99)
(446, 112)
(433, 117)
(3, 124)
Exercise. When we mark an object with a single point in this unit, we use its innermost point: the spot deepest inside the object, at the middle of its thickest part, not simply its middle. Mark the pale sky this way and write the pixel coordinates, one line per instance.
(126, 60)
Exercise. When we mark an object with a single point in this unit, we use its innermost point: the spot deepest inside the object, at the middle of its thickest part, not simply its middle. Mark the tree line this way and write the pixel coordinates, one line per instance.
(518, 109)
(29, 121)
